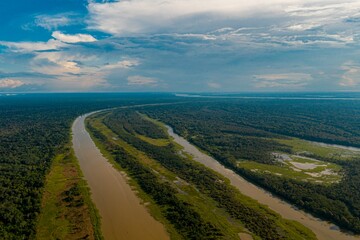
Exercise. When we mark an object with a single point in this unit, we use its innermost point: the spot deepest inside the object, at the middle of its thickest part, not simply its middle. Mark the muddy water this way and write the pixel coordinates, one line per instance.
(122, 215)
(323, 230)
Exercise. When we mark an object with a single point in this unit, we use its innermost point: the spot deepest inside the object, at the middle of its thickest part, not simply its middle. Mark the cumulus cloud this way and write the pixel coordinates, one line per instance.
(10, 83)
(141, 81)
(283, 80)
(75, 38)
(351, 76)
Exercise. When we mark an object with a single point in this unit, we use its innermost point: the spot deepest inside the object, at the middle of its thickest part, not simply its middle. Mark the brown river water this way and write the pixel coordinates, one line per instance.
(322, 229)
(123, 217)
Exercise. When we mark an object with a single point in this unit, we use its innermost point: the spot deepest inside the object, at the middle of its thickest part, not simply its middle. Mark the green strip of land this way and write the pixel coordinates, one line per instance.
(67, 210)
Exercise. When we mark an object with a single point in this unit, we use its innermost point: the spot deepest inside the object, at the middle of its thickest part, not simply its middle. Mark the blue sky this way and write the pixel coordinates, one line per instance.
(179, 45)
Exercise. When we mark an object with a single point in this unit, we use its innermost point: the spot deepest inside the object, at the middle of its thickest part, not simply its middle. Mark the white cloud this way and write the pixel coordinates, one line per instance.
(55, 63)
(51, 22)
(351, 76)
(284, 76)
(70, 71)
(283, 80)
(33, 46)
(277, 22)
(303, 27)
(122, 64)
(141, 16)
(58, 68)
(214, 85)
(94, 81)
(67, 62)
(75, 71)
(141, 81)
(10, 83)
(68, 38)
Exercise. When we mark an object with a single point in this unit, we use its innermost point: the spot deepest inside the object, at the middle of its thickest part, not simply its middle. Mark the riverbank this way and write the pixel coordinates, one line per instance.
(67, 211)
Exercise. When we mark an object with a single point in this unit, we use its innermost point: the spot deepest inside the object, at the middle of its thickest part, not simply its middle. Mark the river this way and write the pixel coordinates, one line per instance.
(122, 214)
(322, 229)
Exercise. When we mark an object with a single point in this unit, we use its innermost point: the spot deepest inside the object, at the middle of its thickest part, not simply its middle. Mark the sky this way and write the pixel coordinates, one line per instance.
(179, 45)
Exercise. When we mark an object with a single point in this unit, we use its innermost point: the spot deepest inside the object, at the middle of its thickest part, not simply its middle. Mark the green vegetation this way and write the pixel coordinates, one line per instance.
(323, 173)
(34, 129)
(306, 148)
(182, 198)
(256, 218)
(67, 211)
(157, 142)
(243, 135)
(50, 224)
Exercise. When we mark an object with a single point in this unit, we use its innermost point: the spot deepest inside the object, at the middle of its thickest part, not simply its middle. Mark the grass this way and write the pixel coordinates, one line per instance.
(288, 170)
(204, 205)
(329, 155)
(157, 142)
(67, 210)
(303, 146)
(50, 224)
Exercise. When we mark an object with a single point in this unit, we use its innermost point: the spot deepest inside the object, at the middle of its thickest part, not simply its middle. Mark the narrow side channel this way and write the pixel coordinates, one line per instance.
(322, 229)
(122, 214)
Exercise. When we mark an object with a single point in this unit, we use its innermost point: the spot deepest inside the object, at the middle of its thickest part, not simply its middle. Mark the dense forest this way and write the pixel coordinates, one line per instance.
(244, 129)
(259, 220)
(33, 129)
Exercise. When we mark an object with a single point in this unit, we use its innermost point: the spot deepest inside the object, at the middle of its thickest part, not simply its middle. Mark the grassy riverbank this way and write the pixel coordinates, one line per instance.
(67, 210)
